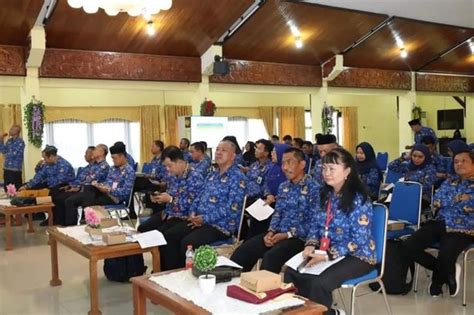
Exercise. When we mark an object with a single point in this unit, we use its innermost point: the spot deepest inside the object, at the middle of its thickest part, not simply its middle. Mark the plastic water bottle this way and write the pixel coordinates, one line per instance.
(189, 257)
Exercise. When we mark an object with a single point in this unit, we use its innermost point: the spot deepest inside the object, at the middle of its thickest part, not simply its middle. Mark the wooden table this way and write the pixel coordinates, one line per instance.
(10, 211)
(94, 254)
(144, 288)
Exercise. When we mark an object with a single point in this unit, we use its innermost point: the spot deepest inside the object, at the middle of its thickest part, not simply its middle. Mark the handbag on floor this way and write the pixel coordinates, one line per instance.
(396, 270)
(121, 269)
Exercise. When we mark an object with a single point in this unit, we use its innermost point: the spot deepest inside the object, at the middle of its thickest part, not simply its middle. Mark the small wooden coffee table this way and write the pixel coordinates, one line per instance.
(94, 254)
(144, 288)
(10, 211)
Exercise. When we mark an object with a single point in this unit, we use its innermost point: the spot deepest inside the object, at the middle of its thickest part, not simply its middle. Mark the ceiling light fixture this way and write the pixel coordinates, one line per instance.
(296, 34)
(150, 28)
(471, 45)
(298, 42)
(114, 7)
(403, 52)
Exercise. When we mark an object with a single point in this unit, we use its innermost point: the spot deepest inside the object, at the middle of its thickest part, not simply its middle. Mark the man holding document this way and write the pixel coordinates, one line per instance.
(341, 230)
(296, 205)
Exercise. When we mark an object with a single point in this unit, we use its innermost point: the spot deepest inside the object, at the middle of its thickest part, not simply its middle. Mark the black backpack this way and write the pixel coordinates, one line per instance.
(121, 269)
(396, 270)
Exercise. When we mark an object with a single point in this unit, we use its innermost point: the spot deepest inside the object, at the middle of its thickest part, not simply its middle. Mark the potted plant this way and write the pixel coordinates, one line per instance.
(326, 118)
(205, 259)
(208, 108)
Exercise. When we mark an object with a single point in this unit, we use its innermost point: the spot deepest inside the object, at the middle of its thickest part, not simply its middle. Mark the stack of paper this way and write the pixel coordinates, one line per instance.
(259, 210)
(317, 269)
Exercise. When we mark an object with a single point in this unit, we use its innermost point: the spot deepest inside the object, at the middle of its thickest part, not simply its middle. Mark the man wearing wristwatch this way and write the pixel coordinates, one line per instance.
(296, 203)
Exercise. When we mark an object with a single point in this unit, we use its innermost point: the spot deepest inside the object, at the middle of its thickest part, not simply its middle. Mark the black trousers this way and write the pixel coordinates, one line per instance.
(156, 222)
(12, 177)
(179, 237)
(273, 257)
(59, 209)
(89, 196)
(319, 288)
(450, 246)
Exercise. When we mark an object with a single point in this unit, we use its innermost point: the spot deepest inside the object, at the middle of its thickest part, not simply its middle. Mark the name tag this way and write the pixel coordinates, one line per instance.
(114, 185)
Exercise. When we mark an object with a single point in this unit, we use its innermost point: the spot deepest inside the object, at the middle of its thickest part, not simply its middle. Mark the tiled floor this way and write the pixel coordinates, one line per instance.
(25, 273)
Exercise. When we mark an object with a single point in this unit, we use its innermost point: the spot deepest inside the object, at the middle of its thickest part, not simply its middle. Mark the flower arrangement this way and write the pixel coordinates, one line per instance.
(208, 108)
(11, 191)
(326, 118)
(34, 120)
(205, 258)
(92, 219)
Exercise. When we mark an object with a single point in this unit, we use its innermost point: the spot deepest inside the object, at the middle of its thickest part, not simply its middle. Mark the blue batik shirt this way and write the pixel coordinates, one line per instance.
(317, 172)
(426, 176)
(372, 180)
(96, 171)
(52, 175)
(202, 166)
(257, 175)
(130, 161)
(425, 131)
(454, 201)
(120, 180)
(157, 169)
(184, 189)
(221, 200)
(187, 156)
(438, 163)
(13, 151)
(296, 205)
(350, 233)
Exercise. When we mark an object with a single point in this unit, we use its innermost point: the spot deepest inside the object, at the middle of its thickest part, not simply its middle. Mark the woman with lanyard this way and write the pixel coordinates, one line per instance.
(341, 227)
(417, 167)
(368, 169)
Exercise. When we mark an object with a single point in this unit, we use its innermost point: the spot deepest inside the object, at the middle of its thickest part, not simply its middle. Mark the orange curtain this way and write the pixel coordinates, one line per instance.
(268, 115)
(150, 130)
(9, 115)
(349, 128)
(172, 112)
(291, 121)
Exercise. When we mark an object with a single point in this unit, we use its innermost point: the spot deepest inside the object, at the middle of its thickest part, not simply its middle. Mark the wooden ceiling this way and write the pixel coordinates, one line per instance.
(190, 27)
(17, 17)
(325, 32)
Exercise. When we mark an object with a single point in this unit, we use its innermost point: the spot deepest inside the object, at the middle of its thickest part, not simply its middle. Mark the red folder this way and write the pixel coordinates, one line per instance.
(239, 293)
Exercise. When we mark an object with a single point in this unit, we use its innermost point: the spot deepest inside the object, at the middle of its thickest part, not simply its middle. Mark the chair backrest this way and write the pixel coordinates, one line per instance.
(241, 219)
(146, 168)
(406, 202)
(392, 177)
(135, 166)
(382, 160)
(379, 232)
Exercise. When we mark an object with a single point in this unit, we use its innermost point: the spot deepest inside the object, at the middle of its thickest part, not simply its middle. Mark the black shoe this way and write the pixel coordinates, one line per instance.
(44, 223)
(435, 290)
(453, 283)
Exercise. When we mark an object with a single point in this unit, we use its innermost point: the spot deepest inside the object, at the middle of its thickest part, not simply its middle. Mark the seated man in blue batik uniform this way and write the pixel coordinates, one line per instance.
(184, 146)
(438, 162)
(96, 170)
(257, 177)
(130, 159)
(55, 173)
(295, 206)
(186, 185)
(199, 160)
(215, 213)
(116, 188)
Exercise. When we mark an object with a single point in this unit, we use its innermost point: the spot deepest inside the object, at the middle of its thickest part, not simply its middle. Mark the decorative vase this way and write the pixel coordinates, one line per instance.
(208, 284)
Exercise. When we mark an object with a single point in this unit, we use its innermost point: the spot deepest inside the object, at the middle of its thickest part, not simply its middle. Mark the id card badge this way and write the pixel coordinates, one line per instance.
(114, 185)
(324, 244)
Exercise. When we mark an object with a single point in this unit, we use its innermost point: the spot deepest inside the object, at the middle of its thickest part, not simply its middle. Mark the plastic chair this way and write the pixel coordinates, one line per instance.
(379, 231)
(405, 206)
(146, 168)
(382, 160)
(465, 260)
(227, 247)
(392, 177)
(118, 208)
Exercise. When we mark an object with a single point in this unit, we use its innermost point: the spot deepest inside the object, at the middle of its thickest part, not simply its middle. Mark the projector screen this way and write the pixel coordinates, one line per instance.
(209, 129)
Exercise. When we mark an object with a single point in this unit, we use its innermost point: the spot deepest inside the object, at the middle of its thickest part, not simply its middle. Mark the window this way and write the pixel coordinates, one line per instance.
(72, 137)
(247, 129)
(308, 126)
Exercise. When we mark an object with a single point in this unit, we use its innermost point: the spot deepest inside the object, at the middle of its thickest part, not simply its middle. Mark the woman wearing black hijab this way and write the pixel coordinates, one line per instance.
(368, 170)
